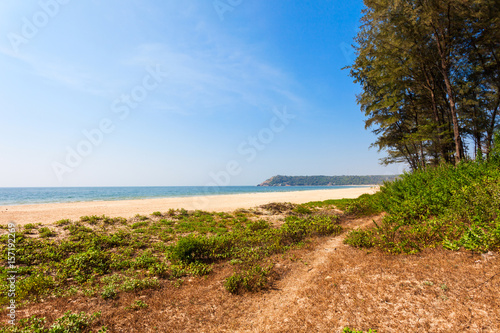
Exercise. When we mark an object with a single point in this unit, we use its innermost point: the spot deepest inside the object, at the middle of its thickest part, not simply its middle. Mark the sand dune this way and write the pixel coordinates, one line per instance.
(47, 213)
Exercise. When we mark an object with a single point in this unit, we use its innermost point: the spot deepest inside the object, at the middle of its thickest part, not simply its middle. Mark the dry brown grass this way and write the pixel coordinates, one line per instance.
(436, 291)
(320, 288)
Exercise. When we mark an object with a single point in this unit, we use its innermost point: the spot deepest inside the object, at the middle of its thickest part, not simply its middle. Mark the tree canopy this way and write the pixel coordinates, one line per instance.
(326, 180)
(430, 75)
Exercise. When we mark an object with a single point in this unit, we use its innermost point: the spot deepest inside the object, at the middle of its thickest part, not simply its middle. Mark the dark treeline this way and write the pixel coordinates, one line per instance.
(430, 74)
(326, 180)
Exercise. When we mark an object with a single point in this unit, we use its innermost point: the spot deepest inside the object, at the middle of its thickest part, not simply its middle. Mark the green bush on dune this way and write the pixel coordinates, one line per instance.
(68, 323)
(248, 246)
(453, 206)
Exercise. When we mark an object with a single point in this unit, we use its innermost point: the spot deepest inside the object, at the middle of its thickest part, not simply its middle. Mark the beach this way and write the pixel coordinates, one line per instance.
(49, 213)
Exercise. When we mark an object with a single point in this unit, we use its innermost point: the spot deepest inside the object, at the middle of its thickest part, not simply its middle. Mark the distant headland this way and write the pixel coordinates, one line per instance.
(326, 180)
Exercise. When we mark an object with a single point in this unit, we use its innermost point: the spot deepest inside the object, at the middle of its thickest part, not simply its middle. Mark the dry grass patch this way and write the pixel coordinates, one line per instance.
(436, 291)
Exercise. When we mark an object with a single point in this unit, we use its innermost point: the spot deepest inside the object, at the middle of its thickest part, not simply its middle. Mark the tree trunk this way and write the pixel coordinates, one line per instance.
(491, 128)
(439, 136)
(445, 68)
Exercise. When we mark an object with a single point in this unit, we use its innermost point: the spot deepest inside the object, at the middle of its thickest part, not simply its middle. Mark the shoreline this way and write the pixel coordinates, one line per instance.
(5, 205)
(51, 212)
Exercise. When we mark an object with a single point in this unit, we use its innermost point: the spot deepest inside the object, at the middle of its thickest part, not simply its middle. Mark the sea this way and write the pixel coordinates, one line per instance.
(40, 195)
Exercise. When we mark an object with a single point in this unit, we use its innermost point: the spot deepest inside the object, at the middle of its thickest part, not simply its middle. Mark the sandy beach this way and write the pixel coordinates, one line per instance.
(48, 213)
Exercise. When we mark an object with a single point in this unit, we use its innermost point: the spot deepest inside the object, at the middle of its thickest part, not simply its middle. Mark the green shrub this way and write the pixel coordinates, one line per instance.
(139, 284)
(137, 305)
(259, 225)
(165, 236)
(35, 285)
(161, 270)
(324, 225)
(45, 232)
(108, 292)
(189, 248)
(29, 228)
(475, 239)
(350, 330)
(68, 323)
(302, 209)
(141, 217)
(359, 238)
(112, 280)
(84, 265)
(364, 205)
(194, 268)
(233, 283)
(137, 225)
(453, 206)
(166, 222)
(31, 324)
(293, 230)
(145, 260)
(73, 322)
(93, 219)
(252, 279)
(197, 248)
(296, 229)
(63, 222)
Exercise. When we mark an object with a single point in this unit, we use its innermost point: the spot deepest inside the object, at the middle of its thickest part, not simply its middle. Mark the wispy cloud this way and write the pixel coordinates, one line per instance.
(217, 77)
(67, 73)
(201, 78)
(209, 68)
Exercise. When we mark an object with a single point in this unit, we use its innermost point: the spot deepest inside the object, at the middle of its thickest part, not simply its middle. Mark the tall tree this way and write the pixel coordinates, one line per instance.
(429, 73)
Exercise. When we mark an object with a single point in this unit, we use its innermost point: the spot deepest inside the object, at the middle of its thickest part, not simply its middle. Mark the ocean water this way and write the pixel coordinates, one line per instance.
(37, 195)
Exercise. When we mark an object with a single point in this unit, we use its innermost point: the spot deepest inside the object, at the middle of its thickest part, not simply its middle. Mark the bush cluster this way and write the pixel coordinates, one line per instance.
(452, 206)
(102, 256)
(248, 245)
(69, 323)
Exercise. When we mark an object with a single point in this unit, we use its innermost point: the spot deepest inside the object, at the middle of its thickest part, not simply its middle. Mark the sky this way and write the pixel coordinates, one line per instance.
(179, 93)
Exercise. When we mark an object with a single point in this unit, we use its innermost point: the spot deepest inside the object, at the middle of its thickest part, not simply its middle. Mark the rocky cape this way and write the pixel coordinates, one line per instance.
(327, 180)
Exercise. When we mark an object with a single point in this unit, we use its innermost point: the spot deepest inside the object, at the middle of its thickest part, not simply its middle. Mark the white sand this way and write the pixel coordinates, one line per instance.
(48, 213)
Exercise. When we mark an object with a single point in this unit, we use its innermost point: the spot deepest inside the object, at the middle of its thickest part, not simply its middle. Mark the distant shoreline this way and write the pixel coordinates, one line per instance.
(364, 185)
(281, 180)
(53, 195)
(51, 212)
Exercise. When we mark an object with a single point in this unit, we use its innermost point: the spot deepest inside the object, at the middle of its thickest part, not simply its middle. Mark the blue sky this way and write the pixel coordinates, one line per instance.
(160, 92)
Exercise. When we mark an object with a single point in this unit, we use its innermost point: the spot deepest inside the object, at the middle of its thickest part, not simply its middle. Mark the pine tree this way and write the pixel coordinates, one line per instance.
(430, 76)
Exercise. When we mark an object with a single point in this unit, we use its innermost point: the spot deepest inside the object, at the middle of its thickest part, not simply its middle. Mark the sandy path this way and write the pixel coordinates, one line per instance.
(47, 213)
(287, 298)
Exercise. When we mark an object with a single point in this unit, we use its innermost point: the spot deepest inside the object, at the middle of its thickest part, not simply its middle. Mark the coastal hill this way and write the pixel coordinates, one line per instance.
(326, 180)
